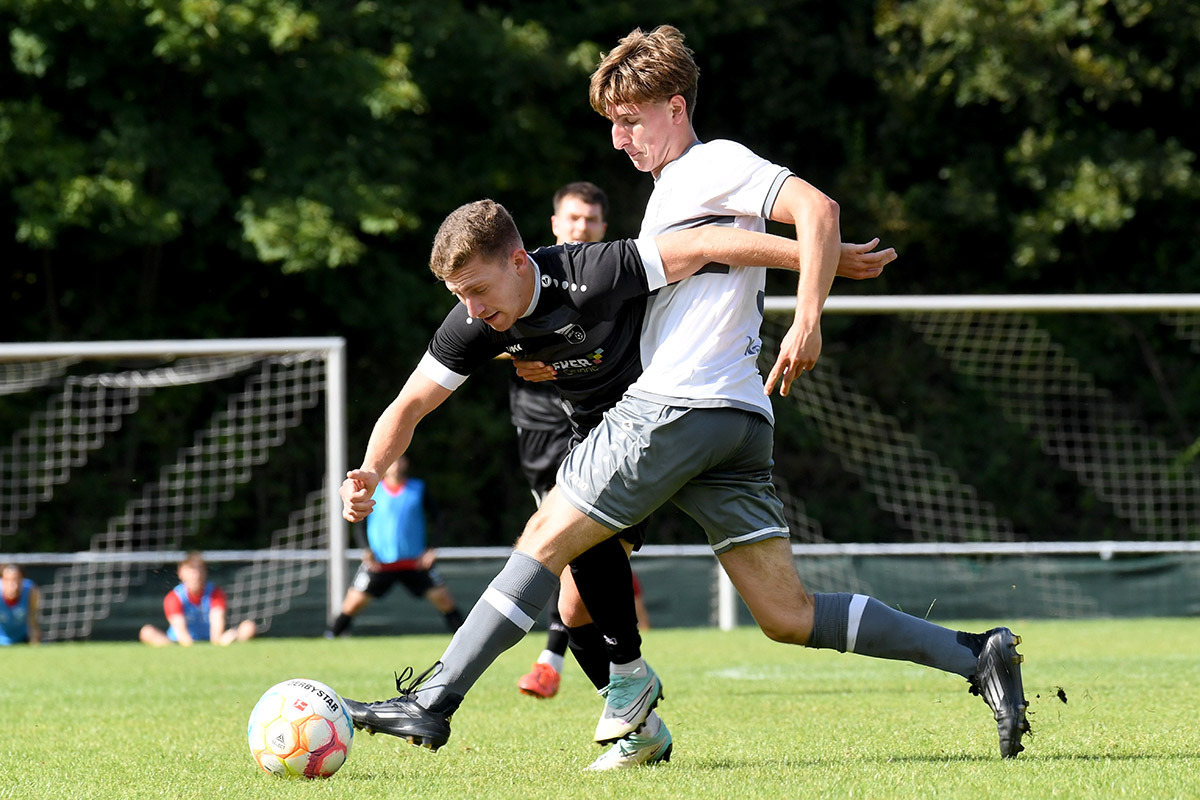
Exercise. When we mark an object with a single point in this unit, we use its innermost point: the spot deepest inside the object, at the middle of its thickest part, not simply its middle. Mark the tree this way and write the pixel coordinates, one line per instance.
(1050, 131)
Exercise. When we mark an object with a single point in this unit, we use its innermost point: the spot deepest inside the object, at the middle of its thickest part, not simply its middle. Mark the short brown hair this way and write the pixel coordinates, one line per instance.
(194, 559)
(586, 191)
(646, 68)
(483, 229)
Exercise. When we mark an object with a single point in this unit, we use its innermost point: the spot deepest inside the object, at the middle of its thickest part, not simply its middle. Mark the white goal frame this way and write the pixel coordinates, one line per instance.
(334, 350)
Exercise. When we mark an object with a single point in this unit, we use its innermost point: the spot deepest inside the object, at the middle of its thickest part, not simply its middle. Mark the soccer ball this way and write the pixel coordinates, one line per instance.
(300, 729)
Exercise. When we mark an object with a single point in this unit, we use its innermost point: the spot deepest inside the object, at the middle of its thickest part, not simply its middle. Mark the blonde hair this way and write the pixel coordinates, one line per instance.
(646, 68)
(483, 229)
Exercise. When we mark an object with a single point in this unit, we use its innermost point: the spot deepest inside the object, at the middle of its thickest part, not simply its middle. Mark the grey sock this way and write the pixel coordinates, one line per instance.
(503, 615)
(859, 624)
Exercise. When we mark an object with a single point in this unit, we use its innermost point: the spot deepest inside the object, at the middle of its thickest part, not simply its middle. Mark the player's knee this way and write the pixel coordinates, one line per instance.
(247, 630)
(783, 633)
(787, 628)
(538, 537)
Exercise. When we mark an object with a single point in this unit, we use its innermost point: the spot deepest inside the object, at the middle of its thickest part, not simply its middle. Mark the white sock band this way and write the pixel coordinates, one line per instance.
(858, 604)
(508, 608)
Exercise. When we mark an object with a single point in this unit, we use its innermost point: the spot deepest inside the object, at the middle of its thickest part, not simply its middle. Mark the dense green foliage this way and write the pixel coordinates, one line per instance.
(750, 719)
(204, 168)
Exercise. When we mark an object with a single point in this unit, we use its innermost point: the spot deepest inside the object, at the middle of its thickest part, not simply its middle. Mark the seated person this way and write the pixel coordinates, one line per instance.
(18, 607)
(195, 611)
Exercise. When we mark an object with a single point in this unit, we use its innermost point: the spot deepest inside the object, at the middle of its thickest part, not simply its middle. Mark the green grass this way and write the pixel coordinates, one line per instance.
(750, 718)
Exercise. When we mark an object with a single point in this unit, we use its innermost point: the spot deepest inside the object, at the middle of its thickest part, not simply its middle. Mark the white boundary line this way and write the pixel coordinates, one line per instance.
(1102, 549)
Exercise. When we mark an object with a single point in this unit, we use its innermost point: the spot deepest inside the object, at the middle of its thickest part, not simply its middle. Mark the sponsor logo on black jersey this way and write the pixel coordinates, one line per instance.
(513, 349)
(589, 363)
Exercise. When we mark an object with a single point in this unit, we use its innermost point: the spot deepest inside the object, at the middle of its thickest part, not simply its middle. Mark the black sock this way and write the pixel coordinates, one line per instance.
(587, 644)
(453, 619)
(605, 583)
(339, 625)
(557, 638)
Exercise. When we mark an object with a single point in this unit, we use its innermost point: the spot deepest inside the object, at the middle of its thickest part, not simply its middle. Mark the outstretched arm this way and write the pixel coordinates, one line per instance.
(390, 437)
(178, 623)
(216, 626)
(685, 252)
(688, 250)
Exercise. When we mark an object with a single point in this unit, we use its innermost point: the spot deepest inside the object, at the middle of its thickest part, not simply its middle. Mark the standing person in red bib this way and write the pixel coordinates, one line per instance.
(396, 551)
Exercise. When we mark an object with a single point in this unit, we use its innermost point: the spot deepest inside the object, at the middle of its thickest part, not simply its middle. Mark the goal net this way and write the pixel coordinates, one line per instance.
(118, 455)
(1001, 428)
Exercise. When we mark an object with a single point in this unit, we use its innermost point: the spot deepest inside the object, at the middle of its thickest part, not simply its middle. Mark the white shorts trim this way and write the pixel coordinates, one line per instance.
(747, 538)
(587, 509)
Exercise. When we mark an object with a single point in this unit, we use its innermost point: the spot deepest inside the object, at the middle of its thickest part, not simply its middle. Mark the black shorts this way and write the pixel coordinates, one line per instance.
(377, 583)
(540, 452)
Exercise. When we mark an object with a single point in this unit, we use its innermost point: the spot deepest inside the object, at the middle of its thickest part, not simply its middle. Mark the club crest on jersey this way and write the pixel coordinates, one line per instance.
(573, 334)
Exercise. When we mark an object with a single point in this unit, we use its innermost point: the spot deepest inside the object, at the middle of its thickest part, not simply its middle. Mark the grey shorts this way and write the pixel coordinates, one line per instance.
(714, 463)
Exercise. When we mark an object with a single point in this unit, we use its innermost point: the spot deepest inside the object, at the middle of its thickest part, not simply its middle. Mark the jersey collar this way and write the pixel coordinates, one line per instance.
(677, 158)
(537, 288)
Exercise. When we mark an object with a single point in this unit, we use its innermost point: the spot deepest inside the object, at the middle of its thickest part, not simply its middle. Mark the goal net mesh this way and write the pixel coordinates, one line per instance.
(1096, 457)
(248, 407)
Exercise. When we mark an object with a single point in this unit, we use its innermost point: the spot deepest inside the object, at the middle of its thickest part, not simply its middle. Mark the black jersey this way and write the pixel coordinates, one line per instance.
(586, 322)
(536, 406)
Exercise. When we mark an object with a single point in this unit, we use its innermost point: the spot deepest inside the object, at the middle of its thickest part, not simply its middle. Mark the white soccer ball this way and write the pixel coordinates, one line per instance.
(300, 729)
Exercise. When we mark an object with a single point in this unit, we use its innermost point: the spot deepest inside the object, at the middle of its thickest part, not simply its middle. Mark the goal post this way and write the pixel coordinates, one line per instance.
(147, 440)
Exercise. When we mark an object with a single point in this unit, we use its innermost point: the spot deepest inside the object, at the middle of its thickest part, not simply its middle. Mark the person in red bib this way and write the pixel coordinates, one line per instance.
(195, 611)
(396, 551)
(18, 607)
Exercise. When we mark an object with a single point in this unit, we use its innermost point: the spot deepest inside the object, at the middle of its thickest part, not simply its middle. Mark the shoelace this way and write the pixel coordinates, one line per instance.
(407, 692)
(415, 684)
(620, 686)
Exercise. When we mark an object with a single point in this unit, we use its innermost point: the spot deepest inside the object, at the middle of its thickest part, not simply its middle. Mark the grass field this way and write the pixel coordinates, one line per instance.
(751, 719)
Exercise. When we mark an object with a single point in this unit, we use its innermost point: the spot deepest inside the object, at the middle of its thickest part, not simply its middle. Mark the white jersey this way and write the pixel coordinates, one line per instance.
(700, 338)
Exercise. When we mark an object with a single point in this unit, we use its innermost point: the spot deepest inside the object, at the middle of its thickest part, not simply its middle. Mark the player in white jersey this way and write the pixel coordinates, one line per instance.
(700, 343)
(697, 437)
(700, 338)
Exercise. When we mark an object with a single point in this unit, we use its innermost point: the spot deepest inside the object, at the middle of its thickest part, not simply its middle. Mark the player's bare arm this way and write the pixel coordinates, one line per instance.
(390, 437)
(685, 252)
(534, 371)
(216, 627)
(818, 234)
